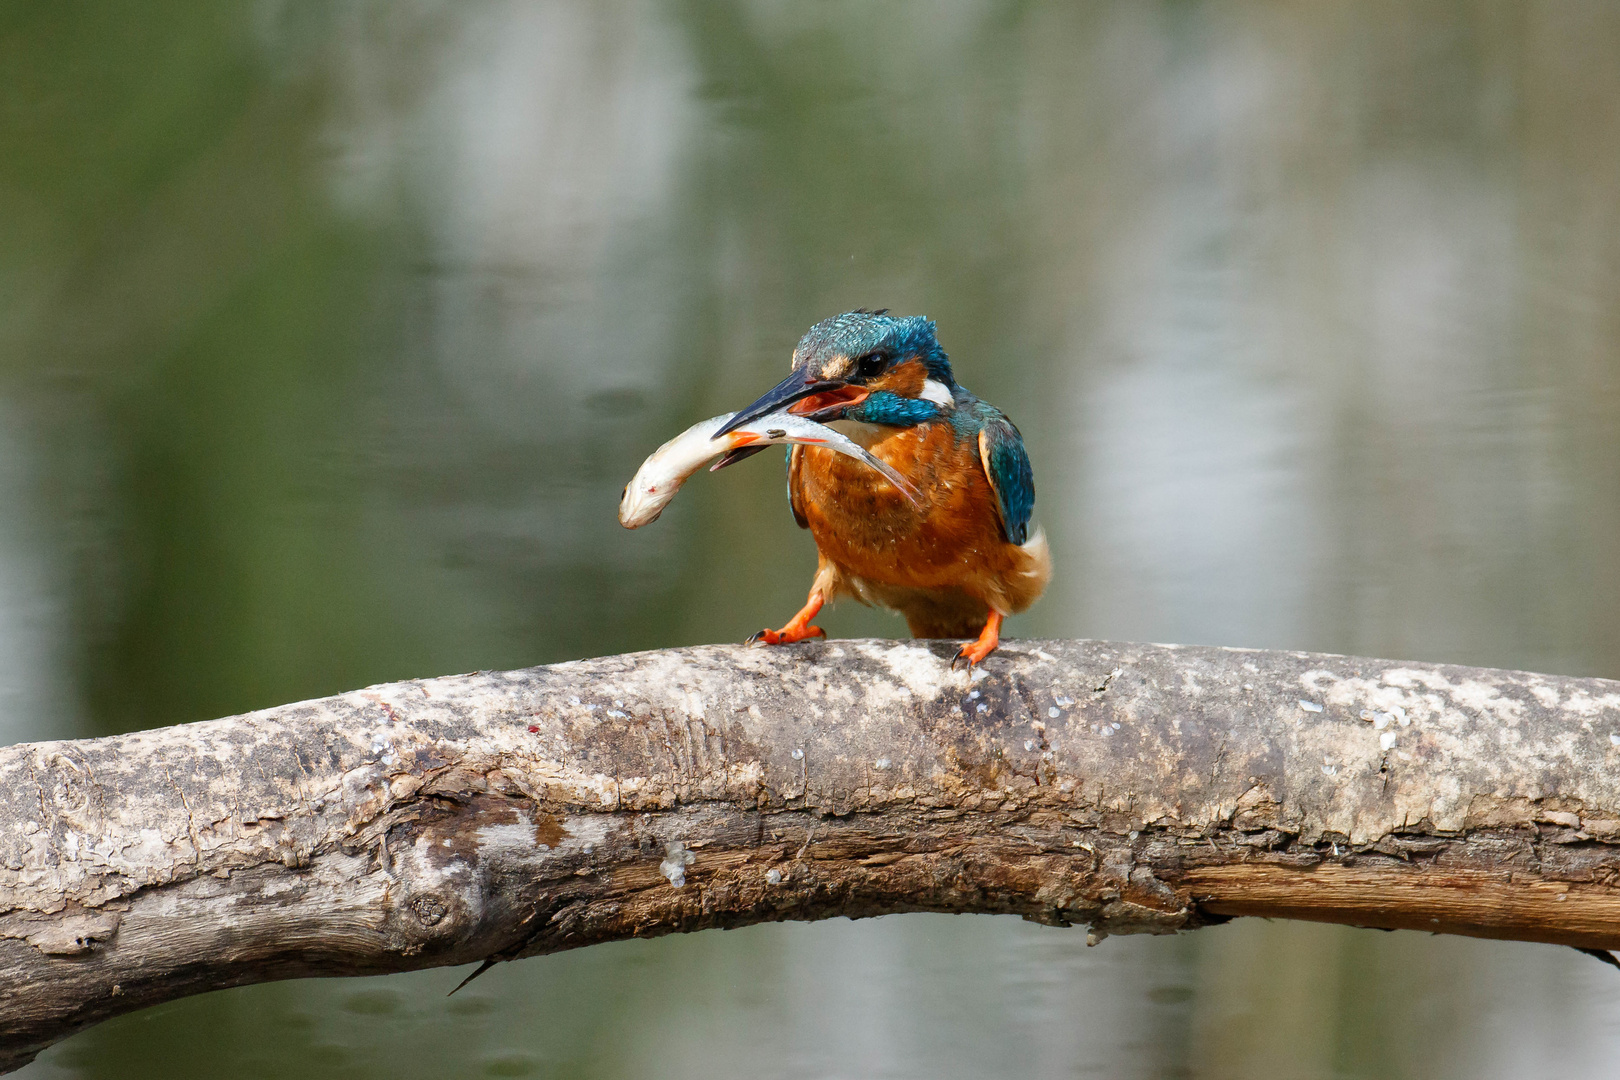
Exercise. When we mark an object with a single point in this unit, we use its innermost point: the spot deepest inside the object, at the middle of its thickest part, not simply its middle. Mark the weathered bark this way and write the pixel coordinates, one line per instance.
(1131, 787)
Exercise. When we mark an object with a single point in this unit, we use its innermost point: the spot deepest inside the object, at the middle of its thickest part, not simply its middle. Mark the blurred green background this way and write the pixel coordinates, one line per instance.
(329, 333)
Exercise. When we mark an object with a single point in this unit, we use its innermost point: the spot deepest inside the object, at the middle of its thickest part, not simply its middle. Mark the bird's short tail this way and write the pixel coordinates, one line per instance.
(1033, 577)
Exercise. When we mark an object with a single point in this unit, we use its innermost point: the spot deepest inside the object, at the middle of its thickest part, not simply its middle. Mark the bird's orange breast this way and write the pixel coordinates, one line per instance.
(870, 530)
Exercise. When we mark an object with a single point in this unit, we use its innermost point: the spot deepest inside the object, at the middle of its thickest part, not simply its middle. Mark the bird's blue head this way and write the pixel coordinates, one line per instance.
(873, 338)
(842, 361)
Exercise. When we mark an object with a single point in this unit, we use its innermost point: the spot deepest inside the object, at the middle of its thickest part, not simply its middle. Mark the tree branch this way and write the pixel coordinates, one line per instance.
(1137, 788)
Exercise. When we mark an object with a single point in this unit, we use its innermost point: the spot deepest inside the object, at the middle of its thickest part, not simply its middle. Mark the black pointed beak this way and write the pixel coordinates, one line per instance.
(797, 386)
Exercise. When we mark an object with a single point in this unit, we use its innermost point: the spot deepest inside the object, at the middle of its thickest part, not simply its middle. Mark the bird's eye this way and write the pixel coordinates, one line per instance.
(869, 365)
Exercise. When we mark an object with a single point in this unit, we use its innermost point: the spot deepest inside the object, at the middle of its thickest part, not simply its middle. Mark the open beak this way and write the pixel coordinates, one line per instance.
(802, 394)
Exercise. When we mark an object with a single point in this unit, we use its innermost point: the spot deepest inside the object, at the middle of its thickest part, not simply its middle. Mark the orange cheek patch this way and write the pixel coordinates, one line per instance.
(905, 378)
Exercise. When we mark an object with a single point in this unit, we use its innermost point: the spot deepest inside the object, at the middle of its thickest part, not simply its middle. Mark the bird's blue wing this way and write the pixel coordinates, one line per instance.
(1006, 463)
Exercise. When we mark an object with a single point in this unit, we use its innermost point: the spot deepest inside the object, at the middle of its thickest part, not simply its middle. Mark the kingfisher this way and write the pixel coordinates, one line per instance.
(956, 556)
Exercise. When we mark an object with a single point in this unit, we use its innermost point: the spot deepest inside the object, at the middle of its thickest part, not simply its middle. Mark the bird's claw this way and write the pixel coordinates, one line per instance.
(965, 656)
(975, 651)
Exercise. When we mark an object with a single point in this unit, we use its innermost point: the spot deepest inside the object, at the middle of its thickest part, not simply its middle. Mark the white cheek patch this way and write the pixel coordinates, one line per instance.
(936, 391)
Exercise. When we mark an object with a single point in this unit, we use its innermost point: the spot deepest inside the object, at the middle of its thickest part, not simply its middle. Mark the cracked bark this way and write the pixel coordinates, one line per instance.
(1134, 788)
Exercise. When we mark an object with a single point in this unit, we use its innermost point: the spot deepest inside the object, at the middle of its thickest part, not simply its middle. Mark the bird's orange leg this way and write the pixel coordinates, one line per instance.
(798, 627)
(989, 638)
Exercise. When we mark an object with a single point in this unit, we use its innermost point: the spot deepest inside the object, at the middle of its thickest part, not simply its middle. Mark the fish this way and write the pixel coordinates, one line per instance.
(668, 467)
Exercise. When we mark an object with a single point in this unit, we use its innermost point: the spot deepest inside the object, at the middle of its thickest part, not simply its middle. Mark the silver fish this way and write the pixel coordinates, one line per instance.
(663, 473)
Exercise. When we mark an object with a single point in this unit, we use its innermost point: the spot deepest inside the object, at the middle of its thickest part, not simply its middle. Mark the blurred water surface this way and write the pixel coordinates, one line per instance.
(328, 334)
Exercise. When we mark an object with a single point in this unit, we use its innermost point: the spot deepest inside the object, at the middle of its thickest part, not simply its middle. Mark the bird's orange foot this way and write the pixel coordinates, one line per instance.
(976, 651)
(798, 629)
(787, 635)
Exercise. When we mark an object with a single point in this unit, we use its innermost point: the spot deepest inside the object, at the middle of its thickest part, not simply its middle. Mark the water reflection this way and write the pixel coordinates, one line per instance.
(328, 335)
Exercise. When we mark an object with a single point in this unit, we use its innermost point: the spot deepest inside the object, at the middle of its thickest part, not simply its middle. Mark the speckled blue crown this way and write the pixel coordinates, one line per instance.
(859, 332)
